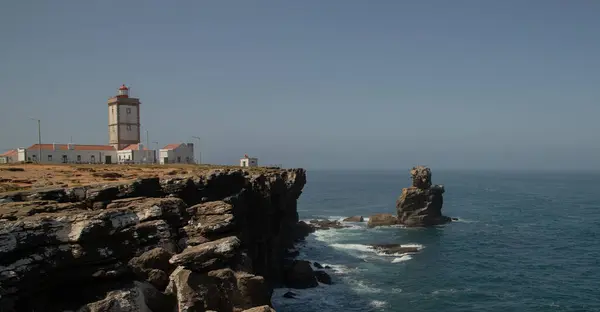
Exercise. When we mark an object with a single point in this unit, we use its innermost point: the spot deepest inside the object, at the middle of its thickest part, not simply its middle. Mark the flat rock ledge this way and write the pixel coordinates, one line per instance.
(216, 242)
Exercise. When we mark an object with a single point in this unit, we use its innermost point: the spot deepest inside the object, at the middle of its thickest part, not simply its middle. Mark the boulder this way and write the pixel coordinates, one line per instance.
(382, 219)
(209, 255)
(153, 266)
(317, 265)
(323, 277)
(300, 275)
(289, 295)
(141, 297)
(355, 219)
(219, 290)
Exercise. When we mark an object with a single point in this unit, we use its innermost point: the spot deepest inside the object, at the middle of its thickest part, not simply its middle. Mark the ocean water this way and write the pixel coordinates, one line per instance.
(524, 242)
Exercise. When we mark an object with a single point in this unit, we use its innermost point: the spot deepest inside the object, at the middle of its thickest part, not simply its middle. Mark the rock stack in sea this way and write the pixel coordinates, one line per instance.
(217, 242)
(421, 204)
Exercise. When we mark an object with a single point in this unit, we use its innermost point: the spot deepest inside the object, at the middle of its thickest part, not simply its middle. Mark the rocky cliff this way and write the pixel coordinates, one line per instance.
(191, 243)
(421, 204)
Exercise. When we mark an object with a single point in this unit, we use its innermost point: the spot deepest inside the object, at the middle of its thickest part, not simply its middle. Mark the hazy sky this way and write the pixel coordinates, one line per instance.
(315, 84)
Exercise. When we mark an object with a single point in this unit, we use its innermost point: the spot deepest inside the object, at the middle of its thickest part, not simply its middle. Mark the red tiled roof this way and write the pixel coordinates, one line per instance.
(9, 153)
(77, 147)
(172, 146)
(134, 147)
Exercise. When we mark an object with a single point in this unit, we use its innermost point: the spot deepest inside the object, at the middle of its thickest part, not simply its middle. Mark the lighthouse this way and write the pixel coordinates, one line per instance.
(123, 119)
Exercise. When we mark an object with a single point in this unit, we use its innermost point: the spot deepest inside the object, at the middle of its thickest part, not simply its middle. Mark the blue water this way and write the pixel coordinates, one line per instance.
(525, 242)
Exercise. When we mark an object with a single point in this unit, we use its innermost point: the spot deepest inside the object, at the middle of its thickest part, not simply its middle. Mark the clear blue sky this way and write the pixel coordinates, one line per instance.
(315, 84)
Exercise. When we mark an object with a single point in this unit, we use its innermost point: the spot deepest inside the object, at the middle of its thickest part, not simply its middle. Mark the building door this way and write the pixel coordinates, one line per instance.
(166, 160)
(107, 159)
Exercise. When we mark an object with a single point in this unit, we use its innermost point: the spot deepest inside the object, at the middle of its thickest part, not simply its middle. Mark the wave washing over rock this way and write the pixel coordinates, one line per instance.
(212, 242)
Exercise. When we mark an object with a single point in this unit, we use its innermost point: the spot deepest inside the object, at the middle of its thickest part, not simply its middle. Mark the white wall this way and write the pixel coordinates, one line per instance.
(182, 154)
(97, 156)
(136, 156)
(249, 162)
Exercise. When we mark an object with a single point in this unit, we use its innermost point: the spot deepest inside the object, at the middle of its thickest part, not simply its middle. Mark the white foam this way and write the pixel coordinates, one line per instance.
(402, 259)
(362, 287)
(359, 247)
(378, 303)
(418, 246)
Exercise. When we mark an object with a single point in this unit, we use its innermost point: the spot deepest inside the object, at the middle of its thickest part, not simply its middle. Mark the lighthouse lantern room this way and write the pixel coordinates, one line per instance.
(123, 91)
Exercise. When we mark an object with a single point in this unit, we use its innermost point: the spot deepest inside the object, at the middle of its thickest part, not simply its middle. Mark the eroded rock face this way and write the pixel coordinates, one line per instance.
(227, 234)
(218, 290)
(421, 204)
(139, 297)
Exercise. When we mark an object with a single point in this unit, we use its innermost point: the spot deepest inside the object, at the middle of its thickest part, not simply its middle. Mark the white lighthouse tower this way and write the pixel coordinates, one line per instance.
(123, 119)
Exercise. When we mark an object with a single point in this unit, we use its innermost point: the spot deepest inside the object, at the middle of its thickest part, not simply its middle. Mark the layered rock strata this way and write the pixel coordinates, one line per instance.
(421, 204)
(191, 243)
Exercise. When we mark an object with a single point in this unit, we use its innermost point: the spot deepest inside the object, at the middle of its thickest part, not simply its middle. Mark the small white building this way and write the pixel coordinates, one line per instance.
(68, 153)
(180, 153)
(248, 161)
(136, 154)
(8, 157)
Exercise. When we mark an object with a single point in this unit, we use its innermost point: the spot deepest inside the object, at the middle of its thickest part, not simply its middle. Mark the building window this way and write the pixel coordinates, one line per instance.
(128, 127)
(49, 157)
(78, 158)
(128, 110)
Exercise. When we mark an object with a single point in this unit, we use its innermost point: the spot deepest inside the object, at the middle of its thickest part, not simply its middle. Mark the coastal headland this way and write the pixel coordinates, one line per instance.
(148, 238)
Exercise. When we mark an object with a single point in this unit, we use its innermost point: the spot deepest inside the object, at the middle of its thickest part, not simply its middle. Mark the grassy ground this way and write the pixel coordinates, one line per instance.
(15, 177)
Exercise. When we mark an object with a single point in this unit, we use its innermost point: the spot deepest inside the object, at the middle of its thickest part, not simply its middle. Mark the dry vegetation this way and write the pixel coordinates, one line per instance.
(28, 176)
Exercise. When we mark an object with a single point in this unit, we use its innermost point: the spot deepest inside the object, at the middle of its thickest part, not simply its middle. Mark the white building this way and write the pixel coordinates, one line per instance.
(123, 119)
(8, 157)
(248, 161)
(180, 153)
(136, 154)
(68, 153)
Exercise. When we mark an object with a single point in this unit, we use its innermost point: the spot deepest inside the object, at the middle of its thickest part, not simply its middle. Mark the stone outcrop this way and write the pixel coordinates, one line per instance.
(186, 243)
(355, 219)
(382, 219)
(421, 204)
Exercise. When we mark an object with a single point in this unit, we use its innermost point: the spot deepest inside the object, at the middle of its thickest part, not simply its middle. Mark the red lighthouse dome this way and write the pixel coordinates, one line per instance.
(123, 91)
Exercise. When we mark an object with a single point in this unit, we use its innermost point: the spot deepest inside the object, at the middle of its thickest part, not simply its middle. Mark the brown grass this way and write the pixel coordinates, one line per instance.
(26, 176)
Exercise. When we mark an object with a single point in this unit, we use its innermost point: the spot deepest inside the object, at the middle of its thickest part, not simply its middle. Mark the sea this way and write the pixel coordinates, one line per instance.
(525, 241)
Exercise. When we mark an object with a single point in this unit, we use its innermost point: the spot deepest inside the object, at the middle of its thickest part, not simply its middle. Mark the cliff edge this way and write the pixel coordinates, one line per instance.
(215, 241)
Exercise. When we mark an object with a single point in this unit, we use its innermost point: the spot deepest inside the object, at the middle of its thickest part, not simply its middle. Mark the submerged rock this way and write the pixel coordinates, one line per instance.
(421, 204)
(327, 224)
(289, 295)
(382, 219)
(300, 275)
(394, 248)
(355, 219)
(323, 277)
